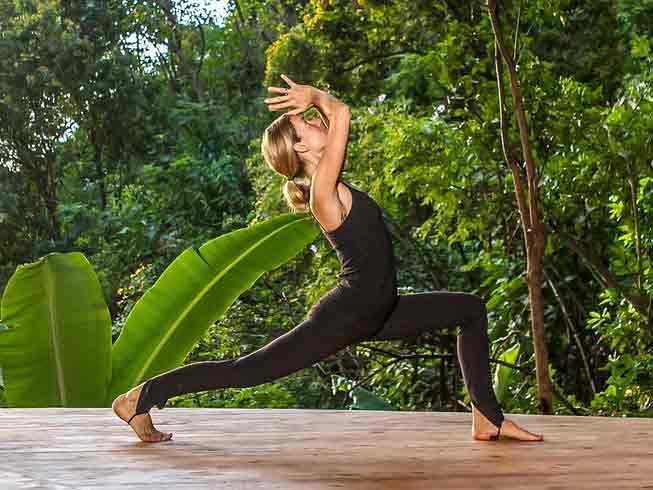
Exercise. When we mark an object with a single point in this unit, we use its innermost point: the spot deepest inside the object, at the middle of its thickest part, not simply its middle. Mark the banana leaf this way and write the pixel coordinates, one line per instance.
(362, 399)
(55, 346)
(503, 374)
(55, 328)
(195, 290)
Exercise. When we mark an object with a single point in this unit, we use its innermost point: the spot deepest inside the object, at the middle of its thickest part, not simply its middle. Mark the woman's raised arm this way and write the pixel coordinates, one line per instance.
(301, 97)
(325, 179)
(326, 104)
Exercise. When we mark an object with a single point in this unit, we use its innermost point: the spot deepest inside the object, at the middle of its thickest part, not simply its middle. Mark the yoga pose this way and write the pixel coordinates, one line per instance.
(364, 305)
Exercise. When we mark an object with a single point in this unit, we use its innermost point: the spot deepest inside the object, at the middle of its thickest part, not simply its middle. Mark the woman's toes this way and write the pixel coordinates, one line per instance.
(163, 436)
(155, 435)
(515, 431)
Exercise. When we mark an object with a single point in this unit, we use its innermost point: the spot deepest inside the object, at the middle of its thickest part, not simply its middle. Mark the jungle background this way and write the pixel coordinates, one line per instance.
(130, 131)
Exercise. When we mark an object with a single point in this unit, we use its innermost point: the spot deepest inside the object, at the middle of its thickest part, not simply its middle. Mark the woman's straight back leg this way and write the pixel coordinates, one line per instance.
(332, 324)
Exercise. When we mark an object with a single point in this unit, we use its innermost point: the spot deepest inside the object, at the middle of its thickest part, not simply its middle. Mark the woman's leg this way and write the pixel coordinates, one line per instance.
(333, 323)
(420, 312)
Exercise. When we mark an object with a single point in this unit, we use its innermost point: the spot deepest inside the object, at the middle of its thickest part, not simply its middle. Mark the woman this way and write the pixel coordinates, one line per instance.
(363, 306)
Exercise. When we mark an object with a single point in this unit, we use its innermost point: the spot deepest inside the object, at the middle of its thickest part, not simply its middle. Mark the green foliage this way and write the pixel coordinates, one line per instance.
(503, 375)
(54, 311)
(629, 391)
(266, 395)
(361, 398)
(56, 349)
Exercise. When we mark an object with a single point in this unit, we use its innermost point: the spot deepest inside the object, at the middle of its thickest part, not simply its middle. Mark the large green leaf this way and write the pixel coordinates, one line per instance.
(195, 290)
(57, 348)
(503, 374)
(362, 399)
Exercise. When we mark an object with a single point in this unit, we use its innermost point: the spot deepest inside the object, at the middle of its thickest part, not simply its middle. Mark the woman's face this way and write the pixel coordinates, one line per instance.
(311, 133)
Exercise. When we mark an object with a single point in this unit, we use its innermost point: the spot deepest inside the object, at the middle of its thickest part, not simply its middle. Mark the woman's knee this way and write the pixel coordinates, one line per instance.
(477, 307)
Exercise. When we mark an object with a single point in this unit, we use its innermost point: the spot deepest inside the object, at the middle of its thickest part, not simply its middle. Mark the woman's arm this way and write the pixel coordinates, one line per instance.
(326, 104)
(303, 97)
(325, 179)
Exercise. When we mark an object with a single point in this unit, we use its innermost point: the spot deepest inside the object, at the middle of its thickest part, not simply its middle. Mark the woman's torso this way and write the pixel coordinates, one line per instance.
(364, 248)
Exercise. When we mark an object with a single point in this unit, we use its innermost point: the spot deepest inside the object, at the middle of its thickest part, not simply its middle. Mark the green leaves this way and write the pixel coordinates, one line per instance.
(362, 399)
(503, 374)
(195, 290)
(57, 350)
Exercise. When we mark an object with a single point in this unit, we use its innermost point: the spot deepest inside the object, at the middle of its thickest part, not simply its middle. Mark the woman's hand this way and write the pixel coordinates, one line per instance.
(298, 96)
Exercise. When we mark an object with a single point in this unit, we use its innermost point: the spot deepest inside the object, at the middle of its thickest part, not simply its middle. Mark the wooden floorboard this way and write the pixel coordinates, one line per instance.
(62, 448)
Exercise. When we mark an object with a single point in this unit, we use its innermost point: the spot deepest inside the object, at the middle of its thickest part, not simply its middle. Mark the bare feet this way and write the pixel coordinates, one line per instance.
(124, 407)
(483, 429)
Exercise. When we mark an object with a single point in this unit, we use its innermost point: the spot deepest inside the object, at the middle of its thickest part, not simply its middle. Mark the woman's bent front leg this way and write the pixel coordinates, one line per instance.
(429, 311)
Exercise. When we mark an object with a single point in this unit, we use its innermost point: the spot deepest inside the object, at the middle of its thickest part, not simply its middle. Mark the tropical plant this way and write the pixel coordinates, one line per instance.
(361, 398)
(55, 347)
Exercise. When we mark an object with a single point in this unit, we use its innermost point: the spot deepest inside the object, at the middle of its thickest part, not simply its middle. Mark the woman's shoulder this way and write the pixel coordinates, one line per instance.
(337, 209)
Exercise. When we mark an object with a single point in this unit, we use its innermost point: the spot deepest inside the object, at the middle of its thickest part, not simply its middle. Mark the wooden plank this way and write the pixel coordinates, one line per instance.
(62, 448)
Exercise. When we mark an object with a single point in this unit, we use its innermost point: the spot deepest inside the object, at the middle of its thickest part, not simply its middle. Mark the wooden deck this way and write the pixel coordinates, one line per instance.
(61, 448)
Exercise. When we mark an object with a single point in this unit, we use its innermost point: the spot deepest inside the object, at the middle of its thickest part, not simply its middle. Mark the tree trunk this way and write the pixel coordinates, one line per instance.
(534, 231)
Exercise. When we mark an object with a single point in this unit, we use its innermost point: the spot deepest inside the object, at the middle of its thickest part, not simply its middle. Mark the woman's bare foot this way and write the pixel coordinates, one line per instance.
(124, 407)
(483, 429)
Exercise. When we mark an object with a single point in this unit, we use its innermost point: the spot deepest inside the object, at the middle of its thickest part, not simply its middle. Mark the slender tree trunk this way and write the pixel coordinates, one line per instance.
(534, 231)
(632, 182)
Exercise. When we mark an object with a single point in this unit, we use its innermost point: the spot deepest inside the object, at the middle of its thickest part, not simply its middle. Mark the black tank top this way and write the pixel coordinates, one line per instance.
(364, 247)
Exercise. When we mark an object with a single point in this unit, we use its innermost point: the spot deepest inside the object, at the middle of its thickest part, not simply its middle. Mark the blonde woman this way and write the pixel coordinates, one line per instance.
(364, 305)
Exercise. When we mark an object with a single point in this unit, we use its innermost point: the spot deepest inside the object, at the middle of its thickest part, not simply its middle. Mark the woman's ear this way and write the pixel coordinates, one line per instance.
(300, 147)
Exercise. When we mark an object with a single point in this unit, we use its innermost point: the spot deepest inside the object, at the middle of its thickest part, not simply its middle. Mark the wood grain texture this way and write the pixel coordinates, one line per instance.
(63, 448)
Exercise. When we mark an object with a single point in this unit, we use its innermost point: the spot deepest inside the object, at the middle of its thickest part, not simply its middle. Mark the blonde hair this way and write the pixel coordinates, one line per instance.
(278, 152)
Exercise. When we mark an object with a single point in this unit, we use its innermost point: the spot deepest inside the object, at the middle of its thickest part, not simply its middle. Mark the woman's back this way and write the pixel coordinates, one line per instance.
(364, 247)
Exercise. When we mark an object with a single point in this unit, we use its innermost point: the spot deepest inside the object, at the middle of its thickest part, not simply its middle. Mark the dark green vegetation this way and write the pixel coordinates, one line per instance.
(130, 154)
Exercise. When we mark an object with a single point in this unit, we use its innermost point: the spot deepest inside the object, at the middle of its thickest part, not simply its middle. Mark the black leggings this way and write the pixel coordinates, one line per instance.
(329, 327)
